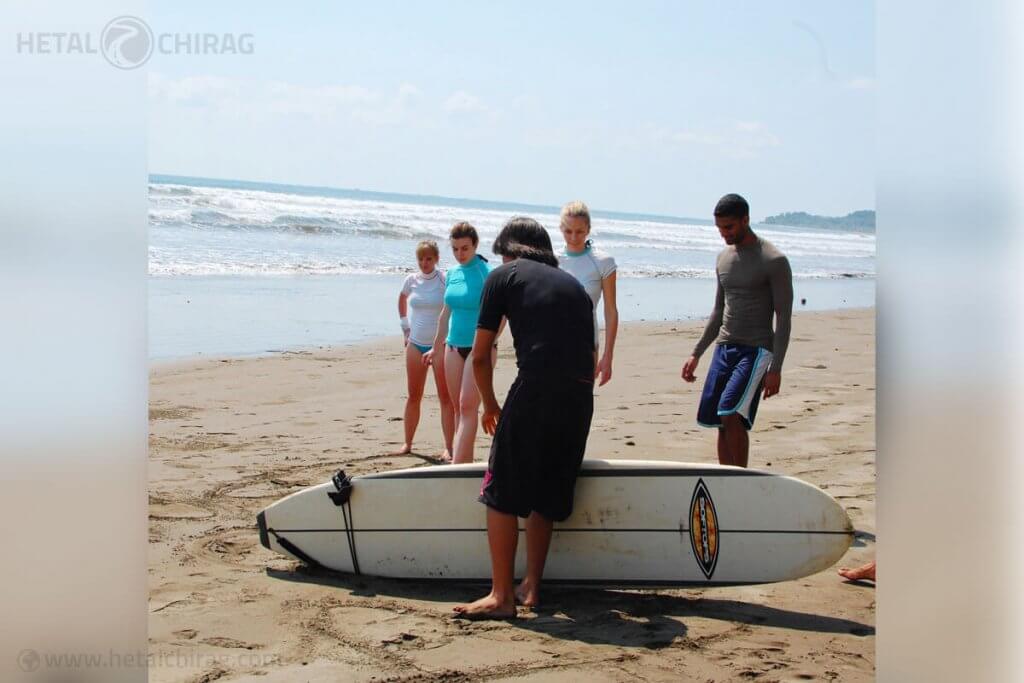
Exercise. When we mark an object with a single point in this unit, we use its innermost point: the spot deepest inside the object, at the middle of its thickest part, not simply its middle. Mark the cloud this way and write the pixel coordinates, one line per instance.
(408, 91)
(192, 91)
(252, 98)
(312, 100)
(744, 140)
(464, 102)
(689, 136)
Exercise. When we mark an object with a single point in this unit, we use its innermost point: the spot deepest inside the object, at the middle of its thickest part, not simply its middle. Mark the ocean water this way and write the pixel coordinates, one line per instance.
(239, 268)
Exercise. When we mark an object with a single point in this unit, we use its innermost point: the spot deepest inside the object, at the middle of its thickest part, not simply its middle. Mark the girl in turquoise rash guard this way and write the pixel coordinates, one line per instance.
(455, 331)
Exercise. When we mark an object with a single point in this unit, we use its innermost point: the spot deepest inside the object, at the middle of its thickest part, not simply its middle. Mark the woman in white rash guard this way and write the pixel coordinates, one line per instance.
(419, 306)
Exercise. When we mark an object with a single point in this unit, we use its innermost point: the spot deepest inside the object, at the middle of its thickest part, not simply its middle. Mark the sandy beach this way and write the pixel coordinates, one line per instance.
(229, 436)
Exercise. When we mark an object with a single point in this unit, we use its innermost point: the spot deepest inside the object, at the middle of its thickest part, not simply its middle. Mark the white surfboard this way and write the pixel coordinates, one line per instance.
(633, 523)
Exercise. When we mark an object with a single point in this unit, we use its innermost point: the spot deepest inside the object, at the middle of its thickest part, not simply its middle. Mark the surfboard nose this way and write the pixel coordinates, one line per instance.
(851, 532)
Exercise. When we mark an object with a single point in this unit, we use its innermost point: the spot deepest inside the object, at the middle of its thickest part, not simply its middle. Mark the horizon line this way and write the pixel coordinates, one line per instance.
(549, 208)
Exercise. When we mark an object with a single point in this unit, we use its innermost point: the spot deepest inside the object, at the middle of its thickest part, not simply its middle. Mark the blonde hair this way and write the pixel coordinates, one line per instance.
(575, 209)
(425, 246)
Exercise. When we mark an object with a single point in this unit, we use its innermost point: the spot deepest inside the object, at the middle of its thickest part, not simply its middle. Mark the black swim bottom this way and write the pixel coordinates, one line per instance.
(464, 350)
(538, 447)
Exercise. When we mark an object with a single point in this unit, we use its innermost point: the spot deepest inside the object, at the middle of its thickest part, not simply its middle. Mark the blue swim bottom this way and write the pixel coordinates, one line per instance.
(733, 384)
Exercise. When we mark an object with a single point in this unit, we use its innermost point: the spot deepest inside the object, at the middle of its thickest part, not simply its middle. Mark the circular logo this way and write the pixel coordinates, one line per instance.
(28, 660)
(127, 42)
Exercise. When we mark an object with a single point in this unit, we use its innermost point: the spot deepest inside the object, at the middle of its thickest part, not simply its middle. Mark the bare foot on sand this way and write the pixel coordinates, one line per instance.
(527, 595)
(445, 456)
(404, 450)
(490, 607)
(864, 573)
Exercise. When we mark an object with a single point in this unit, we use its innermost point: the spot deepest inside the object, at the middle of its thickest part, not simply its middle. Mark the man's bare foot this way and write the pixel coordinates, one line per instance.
(490, 607)
(404, 450)
(445, 456)
(863, 573)
(527, 595)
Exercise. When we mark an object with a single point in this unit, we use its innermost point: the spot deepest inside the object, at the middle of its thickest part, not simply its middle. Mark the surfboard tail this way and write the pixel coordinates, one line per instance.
(261, 523)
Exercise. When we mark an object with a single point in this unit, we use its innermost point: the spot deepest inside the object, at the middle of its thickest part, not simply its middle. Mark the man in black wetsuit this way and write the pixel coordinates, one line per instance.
(541, 432)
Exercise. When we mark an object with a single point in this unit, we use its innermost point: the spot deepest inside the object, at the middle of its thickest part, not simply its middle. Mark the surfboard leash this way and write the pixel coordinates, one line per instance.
(296, 550)
(342, 498)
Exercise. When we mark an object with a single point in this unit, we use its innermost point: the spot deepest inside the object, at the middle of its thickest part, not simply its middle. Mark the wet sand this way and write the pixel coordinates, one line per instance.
(229, 436)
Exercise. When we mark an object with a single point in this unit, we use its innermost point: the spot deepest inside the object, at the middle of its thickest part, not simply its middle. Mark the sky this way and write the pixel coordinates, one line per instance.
(653, 107)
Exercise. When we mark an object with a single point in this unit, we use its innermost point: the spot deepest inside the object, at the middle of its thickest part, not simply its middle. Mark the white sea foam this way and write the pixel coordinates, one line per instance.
(198, 230)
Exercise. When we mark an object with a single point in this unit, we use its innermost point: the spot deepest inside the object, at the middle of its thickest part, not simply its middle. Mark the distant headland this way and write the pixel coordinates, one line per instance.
(857, 220)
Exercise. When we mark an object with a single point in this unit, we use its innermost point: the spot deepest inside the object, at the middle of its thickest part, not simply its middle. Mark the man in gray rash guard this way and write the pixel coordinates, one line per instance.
(755, 284)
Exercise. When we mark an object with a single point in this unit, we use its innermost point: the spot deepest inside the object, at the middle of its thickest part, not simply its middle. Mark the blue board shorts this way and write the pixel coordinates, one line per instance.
(733, 384)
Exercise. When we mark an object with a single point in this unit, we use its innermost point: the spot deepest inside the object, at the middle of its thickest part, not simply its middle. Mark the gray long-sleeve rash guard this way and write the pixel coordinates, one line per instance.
(754, 283)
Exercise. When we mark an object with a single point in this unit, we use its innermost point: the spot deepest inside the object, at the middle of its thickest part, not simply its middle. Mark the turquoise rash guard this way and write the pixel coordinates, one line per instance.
(462, 297)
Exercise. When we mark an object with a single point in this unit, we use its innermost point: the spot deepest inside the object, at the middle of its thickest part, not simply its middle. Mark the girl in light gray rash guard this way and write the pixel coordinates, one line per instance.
(419, 306)
(595, 270)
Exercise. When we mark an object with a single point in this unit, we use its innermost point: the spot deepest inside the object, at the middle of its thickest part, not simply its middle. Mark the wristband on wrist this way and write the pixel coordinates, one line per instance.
(404, 322)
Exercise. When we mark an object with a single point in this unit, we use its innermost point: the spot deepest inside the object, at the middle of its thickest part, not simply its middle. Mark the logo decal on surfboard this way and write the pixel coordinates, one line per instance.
(704, 529)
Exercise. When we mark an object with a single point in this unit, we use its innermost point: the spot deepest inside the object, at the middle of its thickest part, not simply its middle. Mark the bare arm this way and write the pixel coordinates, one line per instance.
(603, 366)
(483, 373)
(403, 307)
(439, 337)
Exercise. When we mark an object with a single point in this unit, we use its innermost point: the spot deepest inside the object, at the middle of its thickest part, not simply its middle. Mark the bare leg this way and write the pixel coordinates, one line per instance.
(502, 536)
(454, 368)
(723, 448)
(469, 411)
(538, 540)
(863, 573)
(736, 441)
(447, 408)
(468, 414)
(416, 375)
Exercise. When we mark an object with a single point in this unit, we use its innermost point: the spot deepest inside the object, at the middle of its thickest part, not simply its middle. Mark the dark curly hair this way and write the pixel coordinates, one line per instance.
(523, 237)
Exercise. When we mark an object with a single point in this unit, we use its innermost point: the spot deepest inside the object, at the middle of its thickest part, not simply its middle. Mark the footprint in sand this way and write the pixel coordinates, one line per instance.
(262, 489)
(221, 641)
(233, 547)
(170, 600)
(177, 511)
